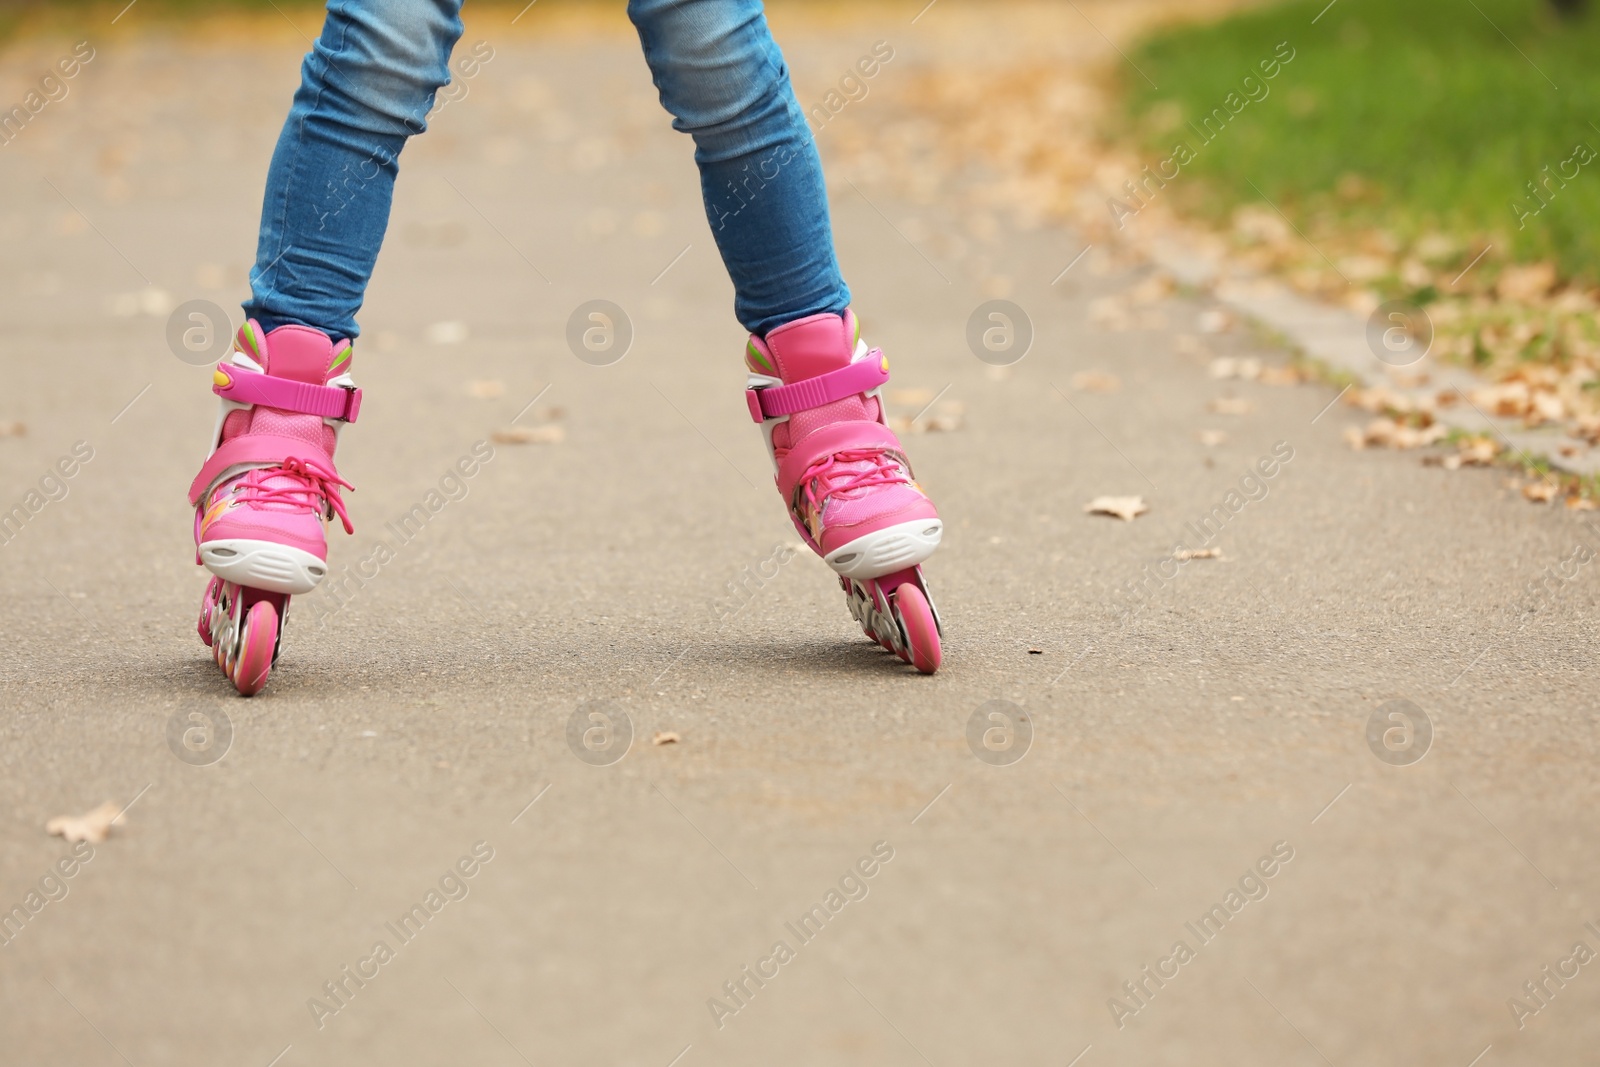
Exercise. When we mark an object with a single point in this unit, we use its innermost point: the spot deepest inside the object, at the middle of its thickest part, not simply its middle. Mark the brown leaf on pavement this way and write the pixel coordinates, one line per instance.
(1246, 367)
(1212, 438)
(1110, 313)
(1094, 381)
(1281, 376)
(1156, 287)
(1388, 433)
(1231, 405)
(1126, 508)
(665, 737)
(529, 435)
(1539, 492)
(93, 826)
(1197, 553)
(947, 417)
(1473, 452)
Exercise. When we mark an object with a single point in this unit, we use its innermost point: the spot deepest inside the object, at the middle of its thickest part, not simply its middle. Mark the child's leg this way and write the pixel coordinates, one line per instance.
(724, 80)
(814, 386)
(270, 484)
(367, 85)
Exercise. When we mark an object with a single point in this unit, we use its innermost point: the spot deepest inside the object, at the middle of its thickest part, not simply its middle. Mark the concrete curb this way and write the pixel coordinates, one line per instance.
(1337, 337)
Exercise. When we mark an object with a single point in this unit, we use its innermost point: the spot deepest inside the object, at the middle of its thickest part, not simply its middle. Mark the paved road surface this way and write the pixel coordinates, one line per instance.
(1183, 739)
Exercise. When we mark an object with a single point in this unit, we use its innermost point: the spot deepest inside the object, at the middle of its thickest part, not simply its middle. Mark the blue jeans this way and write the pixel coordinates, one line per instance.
(370, 80)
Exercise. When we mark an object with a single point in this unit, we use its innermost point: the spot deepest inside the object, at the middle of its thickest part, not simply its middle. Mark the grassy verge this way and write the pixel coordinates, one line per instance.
(1446, 152)
(1414, 117)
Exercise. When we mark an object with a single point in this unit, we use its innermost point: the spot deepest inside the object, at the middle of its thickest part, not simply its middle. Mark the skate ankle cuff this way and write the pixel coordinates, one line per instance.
(775, 401)
(244, 386)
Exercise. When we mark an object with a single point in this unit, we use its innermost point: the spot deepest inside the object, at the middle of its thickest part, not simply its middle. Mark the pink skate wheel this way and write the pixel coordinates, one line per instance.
(254, 662)
(922, 633)
(207, 605)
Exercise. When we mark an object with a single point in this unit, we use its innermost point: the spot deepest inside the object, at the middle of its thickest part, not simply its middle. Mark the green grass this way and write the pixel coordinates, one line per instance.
(1424, 101)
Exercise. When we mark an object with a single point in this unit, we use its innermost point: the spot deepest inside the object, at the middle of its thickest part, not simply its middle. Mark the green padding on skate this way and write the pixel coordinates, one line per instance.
(251, 341)
(756, 357)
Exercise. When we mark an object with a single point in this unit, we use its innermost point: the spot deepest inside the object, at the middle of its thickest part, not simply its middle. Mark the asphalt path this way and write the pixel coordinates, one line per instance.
(1348, 764)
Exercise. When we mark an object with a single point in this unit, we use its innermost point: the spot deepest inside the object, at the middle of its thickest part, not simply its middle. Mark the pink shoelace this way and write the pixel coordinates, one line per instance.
(828, 477)
(319, 483)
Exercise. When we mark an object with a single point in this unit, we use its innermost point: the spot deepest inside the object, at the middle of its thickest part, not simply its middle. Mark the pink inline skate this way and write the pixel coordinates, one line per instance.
(814, 387)
(264, 497)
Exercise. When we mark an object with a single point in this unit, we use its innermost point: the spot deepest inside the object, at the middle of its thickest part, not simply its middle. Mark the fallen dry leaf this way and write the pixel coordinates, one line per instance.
(1381, 399)
(1545, 407)
(947, 417)
(1388, 433)
(1231, 405)
(529, 435)
(1247, 368)
(1408, 378)
(93, 827)
(1539, 492)
(13, 429)
(1110, 313)
(1504, 398)
(1259, 224)
(1281, 376)
(446, 333)
(1363, 268)
(1197, 553)
(1525, 283)
(1154, 288)
(1212, 438)
(1094, 381)
(665, 737)
(1126, 508)
(484, 389)
(1478, 451)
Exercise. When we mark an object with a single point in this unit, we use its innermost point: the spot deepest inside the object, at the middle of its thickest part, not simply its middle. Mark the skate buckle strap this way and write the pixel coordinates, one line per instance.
(860, 377)
(245, 386)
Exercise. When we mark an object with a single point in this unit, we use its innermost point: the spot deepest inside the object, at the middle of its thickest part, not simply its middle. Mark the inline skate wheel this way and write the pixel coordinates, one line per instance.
(921, 631)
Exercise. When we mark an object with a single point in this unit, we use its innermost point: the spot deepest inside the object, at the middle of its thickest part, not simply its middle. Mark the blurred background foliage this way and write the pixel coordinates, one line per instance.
(1411, 116)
